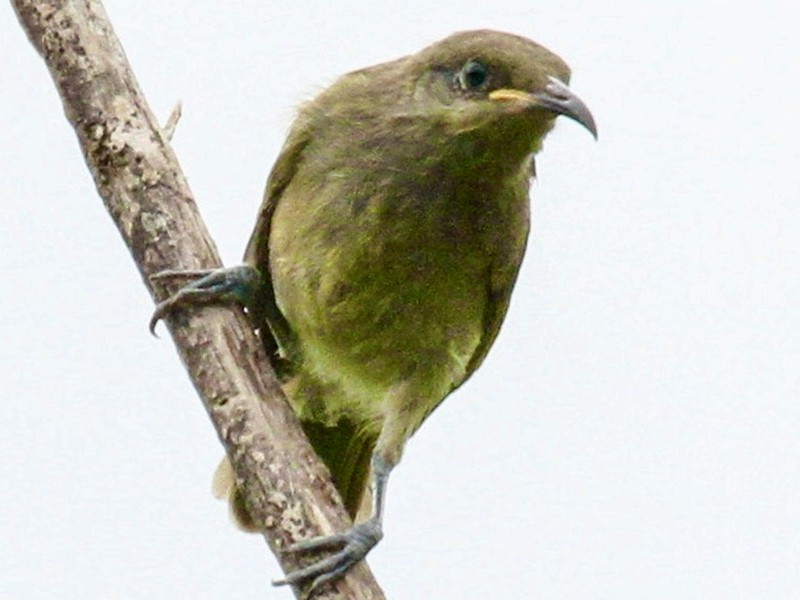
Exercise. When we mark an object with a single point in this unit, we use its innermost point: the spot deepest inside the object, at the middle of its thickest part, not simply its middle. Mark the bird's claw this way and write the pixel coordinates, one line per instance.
(355, 544)
(180, 274)
(216, 286)
(177, 299)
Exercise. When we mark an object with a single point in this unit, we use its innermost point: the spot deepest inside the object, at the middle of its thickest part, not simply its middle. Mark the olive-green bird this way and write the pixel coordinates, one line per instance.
(383, 258)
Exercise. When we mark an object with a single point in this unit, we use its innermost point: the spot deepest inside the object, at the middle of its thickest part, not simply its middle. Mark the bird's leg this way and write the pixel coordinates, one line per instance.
(353, 544)
(218, 286)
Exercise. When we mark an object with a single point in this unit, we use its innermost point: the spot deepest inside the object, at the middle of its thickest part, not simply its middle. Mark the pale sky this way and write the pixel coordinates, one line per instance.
(635, 433)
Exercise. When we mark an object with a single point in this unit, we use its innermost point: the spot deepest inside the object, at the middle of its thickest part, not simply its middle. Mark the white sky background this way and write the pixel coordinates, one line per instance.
(635, 434)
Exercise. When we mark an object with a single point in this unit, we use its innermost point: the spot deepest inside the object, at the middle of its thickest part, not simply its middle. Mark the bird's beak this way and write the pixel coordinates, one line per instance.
(556, 97)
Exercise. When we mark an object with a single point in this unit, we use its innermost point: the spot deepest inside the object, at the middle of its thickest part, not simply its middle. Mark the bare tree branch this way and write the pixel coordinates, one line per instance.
(286, 487)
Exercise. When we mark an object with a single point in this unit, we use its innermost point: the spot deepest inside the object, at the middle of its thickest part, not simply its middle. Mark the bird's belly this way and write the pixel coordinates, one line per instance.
(389, 324)
(389, 311)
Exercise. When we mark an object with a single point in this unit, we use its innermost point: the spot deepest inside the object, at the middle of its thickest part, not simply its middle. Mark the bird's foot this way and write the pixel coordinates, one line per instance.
(217, 286)
(353, 546)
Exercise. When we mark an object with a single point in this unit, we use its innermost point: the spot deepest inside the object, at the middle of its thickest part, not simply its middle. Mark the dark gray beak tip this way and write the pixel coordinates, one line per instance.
(558, 98)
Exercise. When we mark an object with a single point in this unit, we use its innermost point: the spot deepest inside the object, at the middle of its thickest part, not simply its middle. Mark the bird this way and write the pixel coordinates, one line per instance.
(385, 252)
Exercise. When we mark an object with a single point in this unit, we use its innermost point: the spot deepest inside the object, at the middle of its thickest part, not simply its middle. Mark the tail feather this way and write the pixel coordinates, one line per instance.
(345, 449)
(224, 487)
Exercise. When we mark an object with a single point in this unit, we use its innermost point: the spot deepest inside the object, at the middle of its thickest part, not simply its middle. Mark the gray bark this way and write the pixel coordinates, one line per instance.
(286, 487)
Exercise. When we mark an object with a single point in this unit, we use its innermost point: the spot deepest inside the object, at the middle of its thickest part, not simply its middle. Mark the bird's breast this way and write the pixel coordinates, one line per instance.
(382, 283)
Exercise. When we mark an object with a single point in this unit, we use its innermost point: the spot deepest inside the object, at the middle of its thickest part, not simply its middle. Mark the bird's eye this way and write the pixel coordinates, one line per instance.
(473, 75)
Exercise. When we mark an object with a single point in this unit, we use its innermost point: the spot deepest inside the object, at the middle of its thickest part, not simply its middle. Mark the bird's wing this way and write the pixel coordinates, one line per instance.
(498, 297)
(502, 276)
(266, 311)
(345, 447)
(285, 167)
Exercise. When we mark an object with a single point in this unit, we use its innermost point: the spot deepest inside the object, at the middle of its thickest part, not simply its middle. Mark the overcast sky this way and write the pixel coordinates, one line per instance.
(635, 433)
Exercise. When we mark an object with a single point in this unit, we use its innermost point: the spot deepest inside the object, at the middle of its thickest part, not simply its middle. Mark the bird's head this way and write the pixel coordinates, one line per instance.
(476, 98)
(501, 86)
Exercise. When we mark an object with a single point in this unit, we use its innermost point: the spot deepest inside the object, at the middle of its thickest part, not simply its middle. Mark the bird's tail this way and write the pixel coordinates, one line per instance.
(224, 487)
(345, 449)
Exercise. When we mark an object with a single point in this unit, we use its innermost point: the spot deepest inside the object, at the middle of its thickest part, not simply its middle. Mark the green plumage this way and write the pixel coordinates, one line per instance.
(391, 233)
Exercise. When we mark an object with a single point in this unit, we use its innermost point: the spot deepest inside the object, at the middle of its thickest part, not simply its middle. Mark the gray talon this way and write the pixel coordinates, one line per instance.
(355, 545)
(218, 286)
